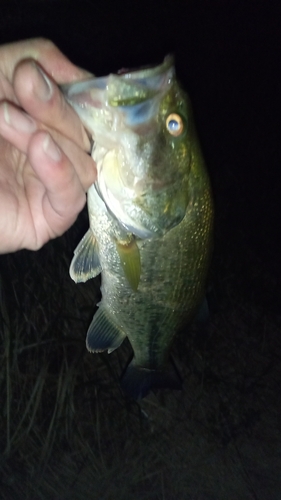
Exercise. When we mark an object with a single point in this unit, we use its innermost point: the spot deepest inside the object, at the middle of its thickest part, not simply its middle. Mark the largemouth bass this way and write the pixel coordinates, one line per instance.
(151, 218)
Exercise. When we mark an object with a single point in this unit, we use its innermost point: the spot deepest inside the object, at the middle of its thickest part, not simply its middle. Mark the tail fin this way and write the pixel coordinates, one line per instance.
(137, 382)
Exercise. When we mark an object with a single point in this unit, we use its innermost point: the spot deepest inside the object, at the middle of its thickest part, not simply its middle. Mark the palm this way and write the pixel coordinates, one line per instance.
(44, 166)
(21, 196)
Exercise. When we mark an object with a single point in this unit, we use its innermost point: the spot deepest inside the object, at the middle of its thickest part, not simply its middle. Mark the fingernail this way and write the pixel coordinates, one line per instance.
(51, 149)
(19, 120)
(44, 87)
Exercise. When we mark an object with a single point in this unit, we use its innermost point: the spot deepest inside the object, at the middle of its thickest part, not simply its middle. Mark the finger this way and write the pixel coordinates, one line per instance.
(16, 126)
(64, 193)
(46, 53)
(19, 129)
(42, 99)
(82, 165)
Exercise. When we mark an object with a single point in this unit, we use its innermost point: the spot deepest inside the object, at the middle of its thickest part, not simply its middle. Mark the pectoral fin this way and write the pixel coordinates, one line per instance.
(130, 259)
(85, 263)
(103, 334)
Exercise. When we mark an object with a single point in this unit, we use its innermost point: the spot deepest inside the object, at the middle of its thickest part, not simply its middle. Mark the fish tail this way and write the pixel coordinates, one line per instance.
(137, 382)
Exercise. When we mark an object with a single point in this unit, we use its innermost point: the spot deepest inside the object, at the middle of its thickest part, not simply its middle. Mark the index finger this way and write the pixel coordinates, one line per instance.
(46, 53)
(41, 98)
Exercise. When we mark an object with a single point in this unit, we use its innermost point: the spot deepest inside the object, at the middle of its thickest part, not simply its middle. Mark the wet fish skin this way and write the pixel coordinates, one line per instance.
(170, 246)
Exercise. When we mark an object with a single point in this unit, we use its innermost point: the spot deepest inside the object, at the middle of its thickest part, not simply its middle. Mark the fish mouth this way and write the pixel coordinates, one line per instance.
(134, 88)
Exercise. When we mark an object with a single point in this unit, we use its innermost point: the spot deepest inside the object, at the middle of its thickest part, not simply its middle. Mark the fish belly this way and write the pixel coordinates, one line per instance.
(172, 280)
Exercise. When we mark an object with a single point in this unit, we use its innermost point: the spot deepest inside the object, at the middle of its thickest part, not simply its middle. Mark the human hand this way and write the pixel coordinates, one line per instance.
(45, 168)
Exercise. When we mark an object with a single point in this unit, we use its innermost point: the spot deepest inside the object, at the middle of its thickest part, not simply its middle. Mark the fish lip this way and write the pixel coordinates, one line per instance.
(147, 69)
(136, 69)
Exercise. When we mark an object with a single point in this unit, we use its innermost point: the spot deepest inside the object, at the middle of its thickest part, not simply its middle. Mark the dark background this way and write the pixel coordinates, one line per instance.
(228, 58)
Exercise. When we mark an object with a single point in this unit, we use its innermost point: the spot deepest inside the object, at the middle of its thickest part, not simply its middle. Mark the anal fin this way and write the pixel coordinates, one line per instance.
(103, 334)
(85, 263)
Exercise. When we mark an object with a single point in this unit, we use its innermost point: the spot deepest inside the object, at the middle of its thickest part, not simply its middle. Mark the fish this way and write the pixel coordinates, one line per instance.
(150, 215)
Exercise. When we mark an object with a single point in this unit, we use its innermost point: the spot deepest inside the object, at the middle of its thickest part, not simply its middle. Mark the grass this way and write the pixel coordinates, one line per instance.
(67, 431)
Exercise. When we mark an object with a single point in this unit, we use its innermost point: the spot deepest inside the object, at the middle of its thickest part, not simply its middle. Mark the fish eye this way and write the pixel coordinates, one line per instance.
(174, 124)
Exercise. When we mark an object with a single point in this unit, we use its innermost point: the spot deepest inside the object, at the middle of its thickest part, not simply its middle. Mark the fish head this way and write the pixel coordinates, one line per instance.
(139, 121)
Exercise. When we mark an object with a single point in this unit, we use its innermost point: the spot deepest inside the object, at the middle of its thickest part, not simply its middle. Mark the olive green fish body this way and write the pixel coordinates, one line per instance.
(172, 282)
(151, 219)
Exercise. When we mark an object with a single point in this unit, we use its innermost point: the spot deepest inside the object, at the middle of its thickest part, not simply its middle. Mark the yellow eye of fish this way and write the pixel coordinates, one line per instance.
(174, 124)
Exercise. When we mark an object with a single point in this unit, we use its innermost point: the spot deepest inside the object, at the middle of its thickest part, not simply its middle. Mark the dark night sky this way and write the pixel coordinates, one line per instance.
(228, 59)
